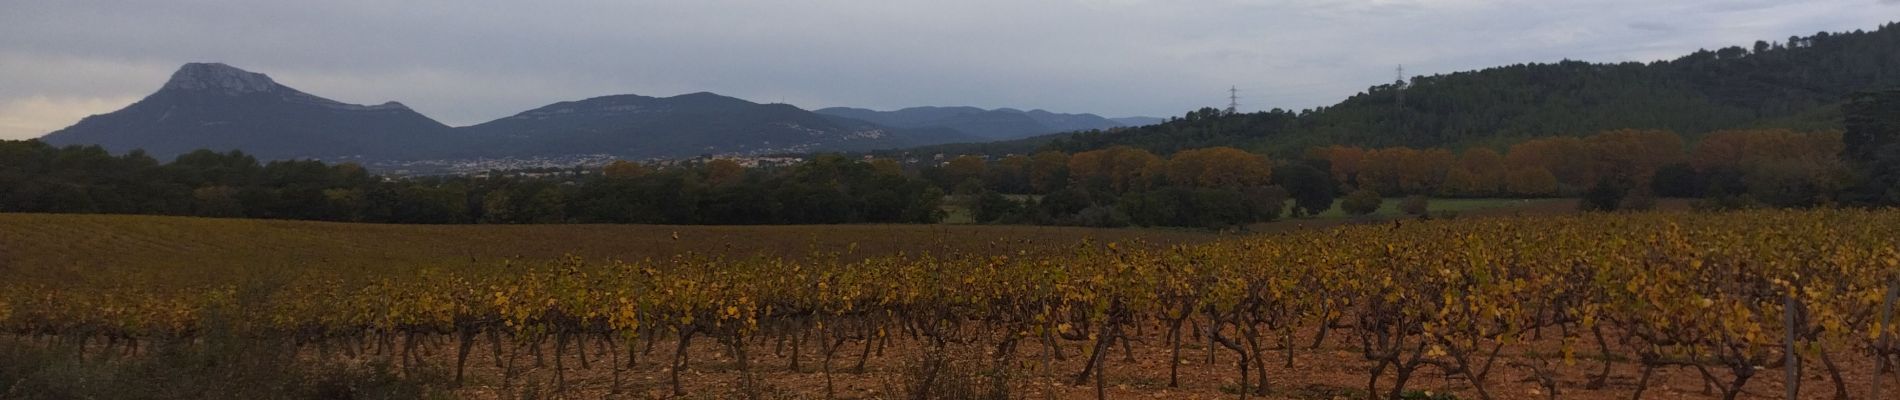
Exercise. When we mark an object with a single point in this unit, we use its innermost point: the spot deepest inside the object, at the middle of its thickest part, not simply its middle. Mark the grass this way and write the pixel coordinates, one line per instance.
(1390, 207)
(957, 214)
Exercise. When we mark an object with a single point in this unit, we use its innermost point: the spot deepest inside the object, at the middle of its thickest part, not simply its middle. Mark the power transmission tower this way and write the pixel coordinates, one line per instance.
(1398, 110)
(1233, 99)
(1399, 83)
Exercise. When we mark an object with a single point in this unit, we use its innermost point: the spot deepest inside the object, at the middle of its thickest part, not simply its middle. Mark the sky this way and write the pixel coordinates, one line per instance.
(468, 61)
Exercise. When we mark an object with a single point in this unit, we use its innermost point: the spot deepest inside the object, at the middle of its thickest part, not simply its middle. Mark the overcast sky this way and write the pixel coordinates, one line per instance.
(468, 61)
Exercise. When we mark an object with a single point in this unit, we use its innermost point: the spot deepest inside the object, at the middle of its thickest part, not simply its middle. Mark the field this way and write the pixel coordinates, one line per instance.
(1658, 305)
(1390, 207)
(958, 214)
(51, 247)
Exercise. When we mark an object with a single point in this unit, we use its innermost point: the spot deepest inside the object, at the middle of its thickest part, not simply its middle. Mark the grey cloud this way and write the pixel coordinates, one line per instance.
(469, 61)
(1654, 26)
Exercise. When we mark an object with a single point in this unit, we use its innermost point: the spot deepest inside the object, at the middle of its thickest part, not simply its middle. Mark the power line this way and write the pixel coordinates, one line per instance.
(1233, 99)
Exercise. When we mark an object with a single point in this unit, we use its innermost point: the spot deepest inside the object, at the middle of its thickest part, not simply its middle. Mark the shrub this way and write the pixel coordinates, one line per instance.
(1605, 196)
(1638, 200)
(1361, 202)
(1414, 205)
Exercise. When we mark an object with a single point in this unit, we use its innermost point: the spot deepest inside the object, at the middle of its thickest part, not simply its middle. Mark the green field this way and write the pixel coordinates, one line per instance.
(1390, 207)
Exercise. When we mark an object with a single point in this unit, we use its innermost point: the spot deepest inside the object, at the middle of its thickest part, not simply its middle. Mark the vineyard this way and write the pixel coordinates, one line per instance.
(1659, 305)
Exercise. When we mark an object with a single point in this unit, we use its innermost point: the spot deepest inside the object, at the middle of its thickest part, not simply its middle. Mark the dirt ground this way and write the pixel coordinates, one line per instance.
(1335, 370)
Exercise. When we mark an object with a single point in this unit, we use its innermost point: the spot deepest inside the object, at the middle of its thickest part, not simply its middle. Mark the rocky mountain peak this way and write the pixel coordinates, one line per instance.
(219, 77)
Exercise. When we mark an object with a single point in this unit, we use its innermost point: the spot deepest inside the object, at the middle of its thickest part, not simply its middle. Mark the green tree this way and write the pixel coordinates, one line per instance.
(1361, 202)
(1311, 189)
(498, 208)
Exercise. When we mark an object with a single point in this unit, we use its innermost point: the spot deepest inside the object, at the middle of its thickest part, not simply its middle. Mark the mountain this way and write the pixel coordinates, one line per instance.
(997, 124)
(219, 107)
(1138, 121)
(1798, 83)
(687, 125)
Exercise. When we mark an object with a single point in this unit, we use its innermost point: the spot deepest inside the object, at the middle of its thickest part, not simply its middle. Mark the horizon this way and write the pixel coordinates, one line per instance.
(1095, 57)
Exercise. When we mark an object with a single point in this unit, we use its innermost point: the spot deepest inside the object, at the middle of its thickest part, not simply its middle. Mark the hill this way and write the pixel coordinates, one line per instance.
(220, 107)
(1798, 83)
(216, 106)
(997, 124)
(634, 126)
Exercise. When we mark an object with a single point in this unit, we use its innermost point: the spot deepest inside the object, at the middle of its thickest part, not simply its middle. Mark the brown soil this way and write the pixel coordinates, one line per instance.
(1335, 370)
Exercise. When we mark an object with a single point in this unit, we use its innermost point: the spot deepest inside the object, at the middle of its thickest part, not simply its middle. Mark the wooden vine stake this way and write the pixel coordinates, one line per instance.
(1794, 360)
(1886, 317)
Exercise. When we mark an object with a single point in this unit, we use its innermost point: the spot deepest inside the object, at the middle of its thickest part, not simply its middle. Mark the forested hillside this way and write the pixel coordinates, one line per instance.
(1798, 83)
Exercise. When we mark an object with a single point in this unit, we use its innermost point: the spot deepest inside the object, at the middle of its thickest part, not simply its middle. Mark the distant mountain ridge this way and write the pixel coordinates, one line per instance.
(1138, 121)
(679, 126)
(220, 107)
(211, 105)
(996, 124)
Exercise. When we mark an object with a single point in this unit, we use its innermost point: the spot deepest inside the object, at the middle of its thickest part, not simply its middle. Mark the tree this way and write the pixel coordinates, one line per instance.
(1065, 202)
(1384, 170)
(1217, 167)
(887, 167)
(1310, 188)
(1048, 171)
(1119, 169)
(1009, 175)
(623, 169)
(498, 208)
(545, 206)
(992, 207)
(1632, 157)
(1795, 183)
(1568, 159)
(724, 172)
(346, 204)
(1638, 199)
(1606, 195)
(1872, 145)
(1345, 162)
(1677, 180)
(1414, 205)
(1739, 149)
(206, 167)
(926, 206)
(1531, 182)
(1695, 94)
(1361, 202)
(1777, 167)
(1263, 203)
(217, 201)
(1486, 169)
(965, 168)
(1460, 182)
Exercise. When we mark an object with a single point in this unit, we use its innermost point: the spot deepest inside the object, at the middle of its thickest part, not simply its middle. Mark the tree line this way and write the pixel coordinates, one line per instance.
(1209, 187)
(1617, 169)
(1771, 167)
(1800, 84)
(1214, 187)
(36, 177)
